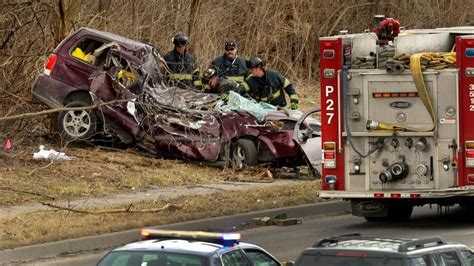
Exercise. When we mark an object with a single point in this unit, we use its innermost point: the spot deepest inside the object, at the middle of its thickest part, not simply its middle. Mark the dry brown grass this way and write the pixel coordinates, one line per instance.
(42, 227)
(94, 172)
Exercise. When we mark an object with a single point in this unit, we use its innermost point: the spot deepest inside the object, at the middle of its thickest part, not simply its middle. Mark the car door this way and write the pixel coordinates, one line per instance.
(234, 258)
(467, 257)
(447, 258)
(260, 258)
(309, 140)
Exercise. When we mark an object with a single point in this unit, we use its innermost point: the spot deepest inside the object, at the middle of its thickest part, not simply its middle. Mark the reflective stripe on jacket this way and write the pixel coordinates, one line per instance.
(271, 87)
(183, 69)
(233, 69)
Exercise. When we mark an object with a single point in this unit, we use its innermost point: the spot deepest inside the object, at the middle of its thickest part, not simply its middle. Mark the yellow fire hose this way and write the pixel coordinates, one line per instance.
(419, 62)
(417, 72)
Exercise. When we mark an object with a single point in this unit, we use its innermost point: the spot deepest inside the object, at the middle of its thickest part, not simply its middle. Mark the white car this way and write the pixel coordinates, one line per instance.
(188, 248)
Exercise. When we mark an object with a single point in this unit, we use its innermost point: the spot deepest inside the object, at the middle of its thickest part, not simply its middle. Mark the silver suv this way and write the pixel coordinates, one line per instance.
(351, 250)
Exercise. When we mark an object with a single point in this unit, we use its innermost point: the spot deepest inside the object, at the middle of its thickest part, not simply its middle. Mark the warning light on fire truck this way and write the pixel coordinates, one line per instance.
(470, 154)
(329, 155)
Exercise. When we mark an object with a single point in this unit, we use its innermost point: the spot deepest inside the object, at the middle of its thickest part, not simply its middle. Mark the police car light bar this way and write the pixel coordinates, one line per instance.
(225, 239)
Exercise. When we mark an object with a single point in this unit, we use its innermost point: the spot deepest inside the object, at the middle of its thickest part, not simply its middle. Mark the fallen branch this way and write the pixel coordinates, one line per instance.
(57, 110)
(25, 192)
(97, 105)
(168, 206)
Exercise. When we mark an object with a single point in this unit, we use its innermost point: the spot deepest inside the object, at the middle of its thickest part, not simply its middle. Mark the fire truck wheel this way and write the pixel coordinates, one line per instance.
(376, 219)
(400, 212)
(396, 212)
(243, 153)
(77, 125)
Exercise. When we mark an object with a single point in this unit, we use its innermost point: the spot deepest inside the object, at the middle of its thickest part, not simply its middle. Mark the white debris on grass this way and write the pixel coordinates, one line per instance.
(50, 154)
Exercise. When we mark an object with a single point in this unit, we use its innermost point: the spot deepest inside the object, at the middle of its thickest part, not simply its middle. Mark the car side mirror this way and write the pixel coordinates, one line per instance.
(288, 263)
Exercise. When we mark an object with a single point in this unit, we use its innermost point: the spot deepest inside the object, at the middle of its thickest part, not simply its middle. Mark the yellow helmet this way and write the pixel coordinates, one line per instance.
(208, 75)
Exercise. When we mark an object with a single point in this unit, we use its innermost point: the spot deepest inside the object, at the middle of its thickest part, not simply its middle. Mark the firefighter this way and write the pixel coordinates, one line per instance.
(387, 30)
(230, 65)
(269, 85)
(214, 84)
(183, 68)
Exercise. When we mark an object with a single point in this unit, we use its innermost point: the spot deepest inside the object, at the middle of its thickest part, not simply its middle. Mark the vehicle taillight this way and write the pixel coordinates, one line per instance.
(328, 54)
(470, 154)
(50, 65)
(329, 155)
(353, 254)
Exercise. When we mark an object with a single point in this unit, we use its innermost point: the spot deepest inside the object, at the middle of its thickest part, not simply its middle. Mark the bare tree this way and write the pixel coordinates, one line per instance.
(285, 33)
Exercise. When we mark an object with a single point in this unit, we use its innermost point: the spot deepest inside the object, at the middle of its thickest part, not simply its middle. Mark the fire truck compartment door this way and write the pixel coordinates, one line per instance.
(400, 102)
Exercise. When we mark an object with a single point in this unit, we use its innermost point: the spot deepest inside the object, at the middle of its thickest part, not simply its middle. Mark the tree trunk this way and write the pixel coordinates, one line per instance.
(195, 5)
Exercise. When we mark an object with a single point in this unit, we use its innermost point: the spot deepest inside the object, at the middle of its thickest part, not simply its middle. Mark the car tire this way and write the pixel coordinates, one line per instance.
(77, 125)
(243, 153)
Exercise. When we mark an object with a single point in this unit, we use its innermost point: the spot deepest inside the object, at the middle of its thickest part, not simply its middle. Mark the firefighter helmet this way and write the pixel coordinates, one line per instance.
(180, 39)
(230, 45)
(254, 62)
(208, 75)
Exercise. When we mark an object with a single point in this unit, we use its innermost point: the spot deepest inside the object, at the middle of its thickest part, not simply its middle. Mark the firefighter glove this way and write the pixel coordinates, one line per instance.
(294, 105)
(225, 97)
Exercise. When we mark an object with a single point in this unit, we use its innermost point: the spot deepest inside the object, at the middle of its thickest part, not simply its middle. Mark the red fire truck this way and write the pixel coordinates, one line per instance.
(398, 121)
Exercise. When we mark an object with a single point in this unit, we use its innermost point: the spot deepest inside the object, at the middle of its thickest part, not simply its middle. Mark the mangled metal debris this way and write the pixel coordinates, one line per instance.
(128, 84)
(280, 220)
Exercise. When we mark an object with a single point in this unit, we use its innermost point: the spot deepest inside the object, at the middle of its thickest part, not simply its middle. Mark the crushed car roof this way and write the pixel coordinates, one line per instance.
(113, 37)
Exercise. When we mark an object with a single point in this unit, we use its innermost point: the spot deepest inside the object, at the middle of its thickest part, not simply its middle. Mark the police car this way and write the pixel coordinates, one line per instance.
(188, 248)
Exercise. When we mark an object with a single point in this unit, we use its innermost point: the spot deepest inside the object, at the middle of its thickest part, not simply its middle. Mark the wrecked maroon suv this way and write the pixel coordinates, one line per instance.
(114, 85)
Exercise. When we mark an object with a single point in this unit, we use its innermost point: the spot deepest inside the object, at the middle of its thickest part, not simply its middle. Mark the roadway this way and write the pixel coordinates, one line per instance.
(287, 242)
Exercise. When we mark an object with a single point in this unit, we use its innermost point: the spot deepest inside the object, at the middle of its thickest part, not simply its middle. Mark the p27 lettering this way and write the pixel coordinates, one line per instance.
(329, 90)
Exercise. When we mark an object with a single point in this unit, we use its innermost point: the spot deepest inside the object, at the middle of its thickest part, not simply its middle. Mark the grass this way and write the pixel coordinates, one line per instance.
(42, 227)
(93, 173)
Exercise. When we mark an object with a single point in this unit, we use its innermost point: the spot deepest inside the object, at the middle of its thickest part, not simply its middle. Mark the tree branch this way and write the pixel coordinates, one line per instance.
(57, 110)
(128, 209)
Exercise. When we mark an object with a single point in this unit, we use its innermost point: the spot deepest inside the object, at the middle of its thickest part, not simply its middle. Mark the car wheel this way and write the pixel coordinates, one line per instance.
(244, 153)
(77, 125)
